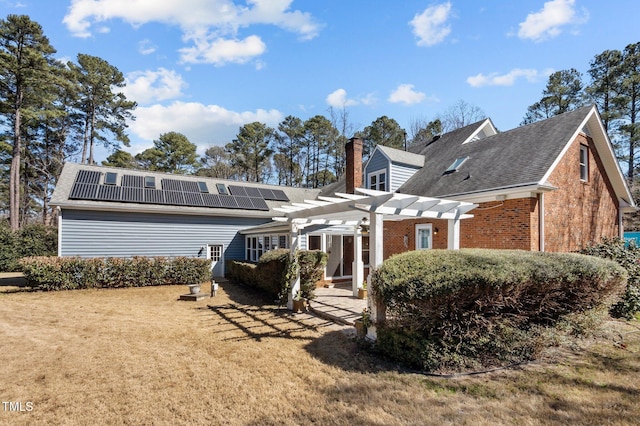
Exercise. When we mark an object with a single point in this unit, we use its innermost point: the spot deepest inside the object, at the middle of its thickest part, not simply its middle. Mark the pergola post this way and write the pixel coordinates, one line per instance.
(357, 265)
(294, 288)
(453, 236)
(376, 254)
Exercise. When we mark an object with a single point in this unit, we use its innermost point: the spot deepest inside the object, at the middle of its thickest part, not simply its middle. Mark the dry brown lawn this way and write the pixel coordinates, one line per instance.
(140, 356)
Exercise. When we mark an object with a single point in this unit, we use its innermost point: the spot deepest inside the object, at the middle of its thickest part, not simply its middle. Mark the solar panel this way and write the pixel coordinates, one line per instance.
(237, 190)
(259, 203)
(193, 199)
(252, 192)
(88, 176)
(266, 193)
(171, 185)
(174, 197)
(153, 196)
(133, 181)
(190, 186)
(243, 202)
(211, 200)
(132, 195)
(135, 189)
(228, 201)
(84, 191)
(279, 195)
(109, 193)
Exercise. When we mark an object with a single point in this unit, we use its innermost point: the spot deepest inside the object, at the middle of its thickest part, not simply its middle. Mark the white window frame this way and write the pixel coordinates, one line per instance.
(377, 175)
(584, 163)
(257, 245)
(420, 227)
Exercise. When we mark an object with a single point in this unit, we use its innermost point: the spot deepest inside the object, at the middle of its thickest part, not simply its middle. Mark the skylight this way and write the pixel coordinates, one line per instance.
(149, 182)
(202, 186)
(221, 188)
(110, 178)
(456, 165)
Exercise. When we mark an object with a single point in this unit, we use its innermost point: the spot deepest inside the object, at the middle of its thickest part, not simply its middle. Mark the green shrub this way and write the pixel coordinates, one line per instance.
(628, 256)
(69, 273)
(476, 308)
(30, 240)
(270, 273)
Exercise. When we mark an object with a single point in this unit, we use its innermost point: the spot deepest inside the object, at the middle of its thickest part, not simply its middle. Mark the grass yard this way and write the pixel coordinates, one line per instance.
(140, 356)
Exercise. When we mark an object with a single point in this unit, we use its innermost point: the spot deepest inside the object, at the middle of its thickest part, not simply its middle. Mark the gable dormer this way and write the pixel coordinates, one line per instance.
(485, 129)
(388, 168)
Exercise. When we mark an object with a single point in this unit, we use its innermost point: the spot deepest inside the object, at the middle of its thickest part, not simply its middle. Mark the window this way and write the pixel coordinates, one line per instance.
(456, 165)
(222, 189)
(202, 186)
(258, 245)
(423, 236)
(378, 180)
(584, 163)
(110, 178)
(315, 242)
(365, 250)
(149, 182)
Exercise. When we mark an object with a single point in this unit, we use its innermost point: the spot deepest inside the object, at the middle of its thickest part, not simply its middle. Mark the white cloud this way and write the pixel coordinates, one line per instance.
(339, 99)
(203, 125)
(405, 94)
(548, 22)
(220, 51)
(208, 24)
(145, 47)
(431, 25)
(151, 86)
(509, 79)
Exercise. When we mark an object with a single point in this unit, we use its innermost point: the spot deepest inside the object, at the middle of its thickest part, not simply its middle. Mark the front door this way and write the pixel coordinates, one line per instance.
(215, 252)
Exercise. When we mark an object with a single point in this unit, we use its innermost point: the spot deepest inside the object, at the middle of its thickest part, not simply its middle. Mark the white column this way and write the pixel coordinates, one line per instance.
(376, 246)
(357, 265)
(453, 236)
(295, 284)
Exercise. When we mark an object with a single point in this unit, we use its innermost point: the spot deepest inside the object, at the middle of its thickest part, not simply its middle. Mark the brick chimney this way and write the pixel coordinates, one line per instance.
(353, 150)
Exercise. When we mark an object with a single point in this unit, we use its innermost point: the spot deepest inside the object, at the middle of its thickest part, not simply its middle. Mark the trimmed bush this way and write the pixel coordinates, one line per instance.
(466, 309)
(30, 240)
(628, 256)
(69, 273)
(270, 273)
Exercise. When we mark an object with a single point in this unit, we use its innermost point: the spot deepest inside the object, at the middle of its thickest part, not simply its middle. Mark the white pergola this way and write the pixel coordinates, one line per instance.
(370, 207)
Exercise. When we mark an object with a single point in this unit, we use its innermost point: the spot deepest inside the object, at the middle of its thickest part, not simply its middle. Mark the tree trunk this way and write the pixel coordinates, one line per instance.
(14, 174)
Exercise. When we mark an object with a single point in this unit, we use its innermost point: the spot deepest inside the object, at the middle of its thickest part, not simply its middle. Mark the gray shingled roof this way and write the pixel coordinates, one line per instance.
(513, 158)
(67, 177)
(399, 156)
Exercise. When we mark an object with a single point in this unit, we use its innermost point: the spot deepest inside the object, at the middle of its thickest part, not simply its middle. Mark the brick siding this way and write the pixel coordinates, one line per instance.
(576, 214)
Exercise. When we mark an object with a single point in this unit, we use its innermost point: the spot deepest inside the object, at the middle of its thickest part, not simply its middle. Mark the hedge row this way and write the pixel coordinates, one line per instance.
(270, 273)
(69, 273)
(30, 240)
(628, 256)
(467, 309)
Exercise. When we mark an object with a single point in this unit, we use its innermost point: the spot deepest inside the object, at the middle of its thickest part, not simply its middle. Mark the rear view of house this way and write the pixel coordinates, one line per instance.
(554, 185)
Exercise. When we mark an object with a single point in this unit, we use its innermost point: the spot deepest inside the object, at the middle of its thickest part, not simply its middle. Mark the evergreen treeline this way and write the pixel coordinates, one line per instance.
(52, 111)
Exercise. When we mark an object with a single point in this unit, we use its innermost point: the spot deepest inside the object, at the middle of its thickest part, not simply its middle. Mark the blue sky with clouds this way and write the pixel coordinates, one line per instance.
(206, 67)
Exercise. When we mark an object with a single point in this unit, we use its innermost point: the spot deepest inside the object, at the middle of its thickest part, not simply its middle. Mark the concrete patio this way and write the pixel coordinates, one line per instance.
(337, 304)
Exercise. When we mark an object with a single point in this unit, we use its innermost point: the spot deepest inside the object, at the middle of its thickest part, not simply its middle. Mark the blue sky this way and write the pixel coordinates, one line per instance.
(206, 67)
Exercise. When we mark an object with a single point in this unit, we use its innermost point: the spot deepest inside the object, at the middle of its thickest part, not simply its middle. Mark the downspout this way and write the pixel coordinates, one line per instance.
(59, 231)
(620, 223)
(541, 221)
